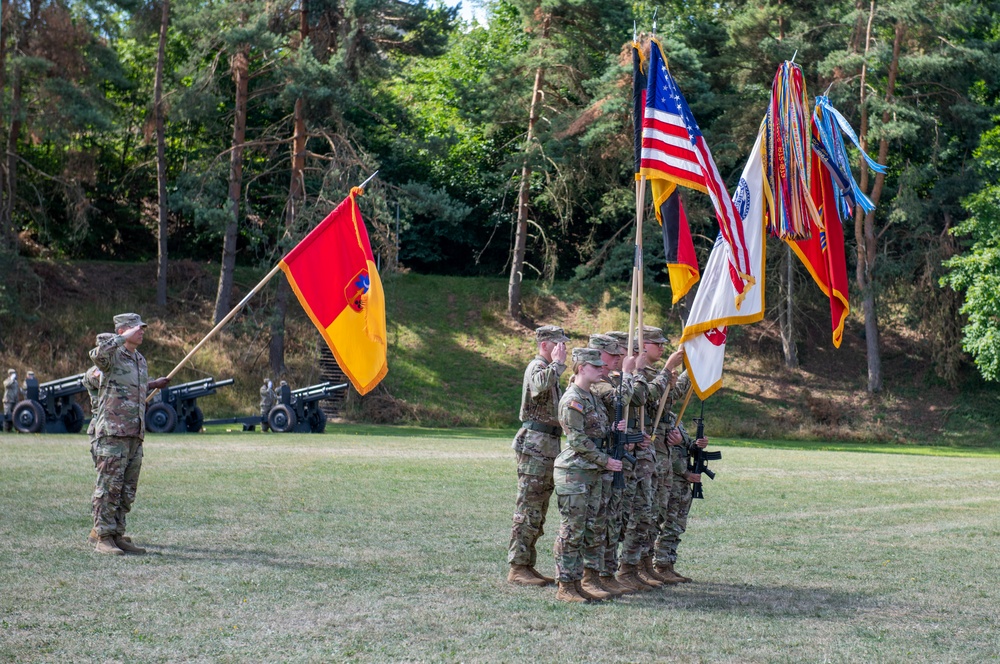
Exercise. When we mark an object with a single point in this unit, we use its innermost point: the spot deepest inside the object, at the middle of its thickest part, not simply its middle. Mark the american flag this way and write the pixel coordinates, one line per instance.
(673, 149)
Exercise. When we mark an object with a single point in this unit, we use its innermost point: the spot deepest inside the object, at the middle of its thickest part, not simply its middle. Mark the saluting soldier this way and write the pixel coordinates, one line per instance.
(11, 395)
(578, 470)
(536, 446)
(120, 429)
(267, 399)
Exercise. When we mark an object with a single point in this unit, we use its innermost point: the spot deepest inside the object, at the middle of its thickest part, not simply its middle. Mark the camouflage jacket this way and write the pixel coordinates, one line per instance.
(122, 394)
(267, 398)
(633, 390)
(11, 390)
(583, 420)
(92, 381)
(540, 391)
(674, 398)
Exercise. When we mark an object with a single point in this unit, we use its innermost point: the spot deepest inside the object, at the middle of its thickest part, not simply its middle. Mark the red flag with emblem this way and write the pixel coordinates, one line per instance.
(332, 272)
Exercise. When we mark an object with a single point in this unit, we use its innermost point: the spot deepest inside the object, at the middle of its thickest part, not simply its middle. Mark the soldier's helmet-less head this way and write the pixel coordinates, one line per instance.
(606, 343)
(128, 321)
(587, 356)
(552, 333)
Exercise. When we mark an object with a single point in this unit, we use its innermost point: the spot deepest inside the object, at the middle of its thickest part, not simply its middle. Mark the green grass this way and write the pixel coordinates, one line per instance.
(367, 547)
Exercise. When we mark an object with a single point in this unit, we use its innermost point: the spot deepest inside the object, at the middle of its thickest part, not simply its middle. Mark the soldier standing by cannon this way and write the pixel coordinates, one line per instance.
(11, 392)
(267, 399)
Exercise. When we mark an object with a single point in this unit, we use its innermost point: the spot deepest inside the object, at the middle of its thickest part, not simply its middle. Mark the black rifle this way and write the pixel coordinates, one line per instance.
(698, 457)
(619, 439)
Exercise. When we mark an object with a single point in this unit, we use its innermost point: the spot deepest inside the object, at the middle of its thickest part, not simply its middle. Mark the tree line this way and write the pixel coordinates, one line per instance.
(225, 130)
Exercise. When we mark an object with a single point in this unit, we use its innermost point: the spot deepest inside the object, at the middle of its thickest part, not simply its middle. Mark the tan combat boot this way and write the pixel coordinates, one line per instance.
(591, 585)
(640, 572)
(547, 579)
(583, 593)
(651, 571)
(125, 544)
(684, 579)
(568, 592)
(666, 570)
(611, 584)
(106, 544)
(92, 537)
(628, 577)
(520, 575)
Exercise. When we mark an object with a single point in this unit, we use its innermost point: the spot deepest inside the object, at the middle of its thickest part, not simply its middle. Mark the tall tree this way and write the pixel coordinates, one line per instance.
(161, 160)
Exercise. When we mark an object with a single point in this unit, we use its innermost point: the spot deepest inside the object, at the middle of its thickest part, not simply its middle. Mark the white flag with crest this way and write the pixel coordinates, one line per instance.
(715, 304)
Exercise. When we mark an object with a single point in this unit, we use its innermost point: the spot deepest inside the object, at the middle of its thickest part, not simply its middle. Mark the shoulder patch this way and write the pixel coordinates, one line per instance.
(575, 405)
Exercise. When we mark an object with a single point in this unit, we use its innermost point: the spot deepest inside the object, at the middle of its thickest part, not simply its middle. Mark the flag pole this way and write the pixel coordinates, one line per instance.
(687, 398)
(220, 325)
(640, 210)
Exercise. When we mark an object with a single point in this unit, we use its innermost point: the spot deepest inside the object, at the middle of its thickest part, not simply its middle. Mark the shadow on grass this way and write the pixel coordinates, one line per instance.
(241, 556)
(756, 600)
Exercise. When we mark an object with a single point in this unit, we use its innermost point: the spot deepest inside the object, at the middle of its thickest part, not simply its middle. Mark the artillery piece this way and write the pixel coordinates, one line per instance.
(49, 407)
(177, 410)
(298, 410)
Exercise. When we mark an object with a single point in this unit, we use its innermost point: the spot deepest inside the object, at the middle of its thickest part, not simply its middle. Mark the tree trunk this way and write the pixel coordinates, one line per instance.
(514, 309)
(16, 122)
(864, 224)
(786, 313)
(296, 195)
(161, 161)
(241, 74)
(6, 229)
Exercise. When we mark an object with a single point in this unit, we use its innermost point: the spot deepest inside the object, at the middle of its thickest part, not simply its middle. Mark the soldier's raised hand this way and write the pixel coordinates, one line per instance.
(676, 359)
(674, 438)
(559, 353)
(628, 364)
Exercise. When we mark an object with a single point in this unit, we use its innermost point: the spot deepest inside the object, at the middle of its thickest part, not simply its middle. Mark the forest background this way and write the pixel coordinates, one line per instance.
(184, 133)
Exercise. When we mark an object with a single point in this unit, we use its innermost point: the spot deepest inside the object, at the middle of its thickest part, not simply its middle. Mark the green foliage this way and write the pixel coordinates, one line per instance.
(977, 272)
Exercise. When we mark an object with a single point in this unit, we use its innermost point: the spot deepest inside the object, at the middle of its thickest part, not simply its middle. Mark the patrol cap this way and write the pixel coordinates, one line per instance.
(128, 321)
(552, 333)
(606, 343)
(11, 371)
(103, 336)
(588, 356)
(652, 335)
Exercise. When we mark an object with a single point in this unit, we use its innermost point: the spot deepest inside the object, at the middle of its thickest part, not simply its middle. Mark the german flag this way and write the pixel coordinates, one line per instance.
(333, 274)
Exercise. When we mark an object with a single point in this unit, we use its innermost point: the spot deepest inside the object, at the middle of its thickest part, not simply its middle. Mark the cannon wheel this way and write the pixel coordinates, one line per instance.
(281, 418)
(73, 418)
(161, 418)
(29, 416)
(317, 421)
(195, 418)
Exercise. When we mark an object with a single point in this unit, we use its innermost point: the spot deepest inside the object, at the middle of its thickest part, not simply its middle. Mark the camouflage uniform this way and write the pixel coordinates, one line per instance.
(92, 381)
(577, 474)
(267, 399)
(119, 427)
(640, 517)
(674, 491)
(11, 391)
(536, 446)
(607, 391)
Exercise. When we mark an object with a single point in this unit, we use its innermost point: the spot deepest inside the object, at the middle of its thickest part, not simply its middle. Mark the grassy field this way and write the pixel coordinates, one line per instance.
(391, 547)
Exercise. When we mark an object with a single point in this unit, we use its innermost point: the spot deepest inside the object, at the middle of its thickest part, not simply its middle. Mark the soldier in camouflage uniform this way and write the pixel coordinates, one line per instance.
(120, 428)
(673, 520)
(267, 399)
(536, 446)
(617, 380)
(92, 381)
(641, 523)
(11, 394)
(577, 475)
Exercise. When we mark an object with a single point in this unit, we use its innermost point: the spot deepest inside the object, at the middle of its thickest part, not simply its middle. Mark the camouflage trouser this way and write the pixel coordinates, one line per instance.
(118, 462)
(611, 525)
(639, 507)
(578, 542)
(674, 521)
(534, 488)
(8, 415)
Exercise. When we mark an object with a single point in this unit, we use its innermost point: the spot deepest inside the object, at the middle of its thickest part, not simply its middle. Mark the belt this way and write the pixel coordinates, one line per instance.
(542, 428)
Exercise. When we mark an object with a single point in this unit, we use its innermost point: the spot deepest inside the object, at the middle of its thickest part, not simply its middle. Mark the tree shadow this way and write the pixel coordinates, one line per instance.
(755, 599)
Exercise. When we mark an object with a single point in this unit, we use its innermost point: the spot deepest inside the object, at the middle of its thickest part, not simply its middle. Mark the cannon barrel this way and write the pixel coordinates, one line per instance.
(197, 388)
(62, 387)
(317, 392)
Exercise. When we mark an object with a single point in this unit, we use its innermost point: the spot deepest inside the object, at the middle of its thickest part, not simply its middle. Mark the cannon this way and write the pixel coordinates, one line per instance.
(298, 411)
(50, 406)
(177, 409)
